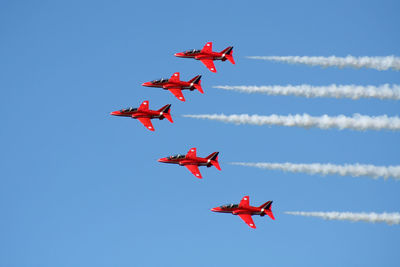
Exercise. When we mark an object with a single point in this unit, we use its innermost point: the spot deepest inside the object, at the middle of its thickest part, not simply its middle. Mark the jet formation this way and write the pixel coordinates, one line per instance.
(191, 161)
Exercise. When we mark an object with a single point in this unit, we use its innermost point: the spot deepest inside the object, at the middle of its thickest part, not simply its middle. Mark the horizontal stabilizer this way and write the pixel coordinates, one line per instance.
(228, 54)
(196, 82)
(168, 117)
(214, 160)
(270, 214)
(230, 58)
(216, 164)
(267, 209)
(166, 112)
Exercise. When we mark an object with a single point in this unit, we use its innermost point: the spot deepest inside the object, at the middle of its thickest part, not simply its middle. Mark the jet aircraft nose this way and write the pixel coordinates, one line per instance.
(178, 54)
(146, 84)
(163, 160)
(216, 209)
(115, 113)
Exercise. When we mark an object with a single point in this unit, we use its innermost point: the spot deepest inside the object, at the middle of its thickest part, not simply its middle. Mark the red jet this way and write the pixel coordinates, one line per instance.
(192, 162)
(245, 211)
(144, 114)
(175, 85)
(207, 56)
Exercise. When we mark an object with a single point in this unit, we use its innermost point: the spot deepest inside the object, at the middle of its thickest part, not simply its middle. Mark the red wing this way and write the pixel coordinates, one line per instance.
(191, 153)
(207, 48)
(178, 93)
(245, 202)
(209, 63)
(147, 123)
(247, 219)
(195, 170)
(174, 77)
(144, 105)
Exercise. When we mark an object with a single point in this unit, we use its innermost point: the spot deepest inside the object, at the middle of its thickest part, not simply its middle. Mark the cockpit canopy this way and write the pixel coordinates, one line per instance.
(230, 206)
(162, 80)
(177, 156)
(193, 51)
(130, 109)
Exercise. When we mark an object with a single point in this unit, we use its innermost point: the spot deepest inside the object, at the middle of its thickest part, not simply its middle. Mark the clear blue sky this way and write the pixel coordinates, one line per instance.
(82, 188)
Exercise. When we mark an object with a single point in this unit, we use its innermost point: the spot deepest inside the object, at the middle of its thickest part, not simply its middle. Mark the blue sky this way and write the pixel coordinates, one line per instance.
(82, 188)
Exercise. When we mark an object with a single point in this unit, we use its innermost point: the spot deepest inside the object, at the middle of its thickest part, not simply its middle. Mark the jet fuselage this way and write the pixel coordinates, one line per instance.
(151, 114)
(167, 85)
(187, 161)
(202, 55)
(242, 210)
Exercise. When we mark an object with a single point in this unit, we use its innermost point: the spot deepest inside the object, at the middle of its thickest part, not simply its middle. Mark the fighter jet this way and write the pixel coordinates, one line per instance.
(175, 85)
(245, 211)
(144, 114)
(192, 162)
(207, 56)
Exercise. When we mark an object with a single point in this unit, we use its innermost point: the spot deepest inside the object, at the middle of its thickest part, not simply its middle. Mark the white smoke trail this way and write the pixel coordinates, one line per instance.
(389, 218)
(354, 170)
(379, 63)
(357, 122)
(384, 91)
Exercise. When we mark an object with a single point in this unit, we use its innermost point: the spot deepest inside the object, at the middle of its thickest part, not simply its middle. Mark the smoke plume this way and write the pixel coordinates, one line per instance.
(378, 63)
(389, 218)
(354, 170)
(356, 122)
(384, 91)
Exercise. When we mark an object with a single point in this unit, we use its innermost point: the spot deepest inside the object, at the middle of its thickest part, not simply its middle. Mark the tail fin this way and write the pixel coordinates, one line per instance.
(214, 160)
(166, 112)
(266, 207)
(196, 82)
(227, 53)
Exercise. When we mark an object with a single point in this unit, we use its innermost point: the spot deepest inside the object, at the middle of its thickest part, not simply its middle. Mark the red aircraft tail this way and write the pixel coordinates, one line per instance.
(196, 81)
(166, 112)
(214, 160)
(227, 53)
(267, 209)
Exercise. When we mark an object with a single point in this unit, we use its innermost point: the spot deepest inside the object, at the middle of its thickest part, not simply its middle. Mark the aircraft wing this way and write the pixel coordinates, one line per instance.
(247, 219)
(191, 153)
(174, 77)
(207, 48)
(209, 63)
(245, 202)
(144, 105)
(177, 92)
(194, 169)
(147, 123)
